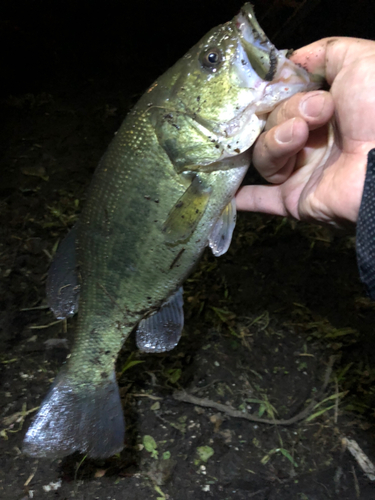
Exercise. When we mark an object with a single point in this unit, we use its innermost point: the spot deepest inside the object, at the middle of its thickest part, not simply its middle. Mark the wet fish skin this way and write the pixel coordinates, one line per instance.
(165, 182)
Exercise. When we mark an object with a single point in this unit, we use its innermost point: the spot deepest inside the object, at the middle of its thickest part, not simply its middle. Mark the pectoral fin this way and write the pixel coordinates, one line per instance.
(187, 212)
(161, 331)
(222, 232)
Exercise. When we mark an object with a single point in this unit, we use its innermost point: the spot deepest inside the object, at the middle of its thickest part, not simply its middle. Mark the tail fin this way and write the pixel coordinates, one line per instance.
(88, 419)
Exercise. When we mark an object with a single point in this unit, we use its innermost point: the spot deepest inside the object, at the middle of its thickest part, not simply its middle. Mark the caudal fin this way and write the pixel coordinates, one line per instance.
(88, 419)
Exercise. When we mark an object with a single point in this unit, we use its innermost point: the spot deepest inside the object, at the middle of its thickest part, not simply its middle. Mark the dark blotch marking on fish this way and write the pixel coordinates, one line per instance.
(107, 352)
(175, 260)
(237, 150)
(156, 201)
(146, 197)
(97, 361)
(103, 375)
(111, 298)
(179, 204)
(106, 224)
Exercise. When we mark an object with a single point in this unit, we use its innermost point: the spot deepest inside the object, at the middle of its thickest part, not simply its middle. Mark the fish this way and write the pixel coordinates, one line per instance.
(163, 191)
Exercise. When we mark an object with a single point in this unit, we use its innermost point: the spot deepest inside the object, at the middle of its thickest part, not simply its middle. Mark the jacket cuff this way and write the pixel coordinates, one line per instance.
(365, 235)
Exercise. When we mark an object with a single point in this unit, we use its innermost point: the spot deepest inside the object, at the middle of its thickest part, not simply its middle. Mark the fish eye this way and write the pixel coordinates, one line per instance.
(211, 59)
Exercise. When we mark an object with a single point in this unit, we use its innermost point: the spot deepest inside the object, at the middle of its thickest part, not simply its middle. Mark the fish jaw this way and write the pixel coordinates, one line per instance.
(278, 77)
(266, 75)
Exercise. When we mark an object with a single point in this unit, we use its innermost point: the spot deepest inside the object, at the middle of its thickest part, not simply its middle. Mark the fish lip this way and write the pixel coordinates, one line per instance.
(262, 54)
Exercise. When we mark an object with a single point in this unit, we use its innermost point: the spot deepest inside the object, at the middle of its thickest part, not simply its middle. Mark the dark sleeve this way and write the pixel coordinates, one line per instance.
(365, 238)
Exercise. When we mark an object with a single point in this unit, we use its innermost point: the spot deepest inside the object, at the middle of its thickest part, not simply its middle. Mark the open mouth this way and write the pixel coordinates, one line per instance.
(268, 62)
(262, 54)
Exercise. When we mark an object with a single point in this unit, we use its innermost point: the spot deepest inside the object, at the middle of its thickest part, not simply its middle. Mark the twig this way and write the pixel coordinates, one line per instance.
(41, 327)
(28, 480)
(257, 492)
(150, 396)
(361, 458)
(207, 403)
(34, 308)
(356, 484)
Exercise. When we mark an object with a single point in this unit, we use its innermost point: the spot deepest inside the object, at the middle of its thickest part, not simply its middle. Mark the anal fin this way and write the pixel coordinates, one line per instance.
(161, 331)
(221, 235)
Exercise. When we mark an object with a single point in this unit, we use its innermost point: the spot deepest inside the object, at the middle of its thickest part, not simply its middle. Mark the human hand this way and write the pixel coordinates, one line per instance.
(317, 169)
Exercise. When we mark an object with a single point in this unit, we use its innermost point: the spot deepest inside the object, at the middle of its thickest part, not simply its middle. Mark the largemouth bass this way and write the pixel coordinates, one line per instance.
(162, 192)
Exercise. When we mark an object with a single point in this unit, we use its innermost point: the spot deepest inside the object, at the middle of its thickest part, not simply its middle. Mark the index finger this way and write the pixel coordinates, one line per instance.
(328, 56)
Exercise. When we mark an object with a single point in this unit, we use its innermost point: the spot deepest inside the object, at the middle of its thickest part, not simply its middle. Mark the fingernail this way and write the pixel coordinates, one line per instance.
(284, 132)
(313, 105)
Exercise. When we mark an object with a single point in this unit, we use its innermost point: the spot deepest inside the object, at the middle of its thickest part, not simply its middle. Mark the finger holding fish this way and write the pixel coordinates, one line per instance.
(287, 131)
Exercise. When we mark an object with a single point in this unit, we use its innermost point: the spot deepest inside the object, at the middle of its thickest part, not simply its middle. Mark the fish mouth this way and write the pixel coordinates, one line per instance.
(261, 52)
(268, 62)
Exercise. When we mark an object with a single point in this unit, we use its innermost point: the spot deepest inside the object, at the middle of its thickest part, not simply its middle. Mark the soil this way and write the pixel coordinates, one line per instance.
(263, 322)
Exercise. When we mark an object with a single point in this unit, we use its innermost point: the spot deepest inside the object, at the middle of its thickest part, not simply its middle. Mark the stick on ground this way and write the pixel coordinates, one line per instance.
(228, 410)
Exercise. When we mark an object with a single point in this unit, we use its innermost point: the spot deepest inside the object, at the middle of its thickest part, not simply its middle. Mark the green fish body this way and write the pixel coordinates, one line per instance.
(162, 192)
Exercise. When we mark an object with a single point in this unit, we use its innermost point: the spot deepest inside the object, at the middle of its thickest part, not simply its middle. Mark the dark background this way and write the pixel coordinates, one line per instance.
(45, 41)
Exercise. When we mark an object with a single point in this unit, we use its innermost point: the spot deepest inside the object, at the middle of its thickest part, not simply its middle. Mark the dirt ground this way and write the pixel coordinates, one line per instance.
(269, 325)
